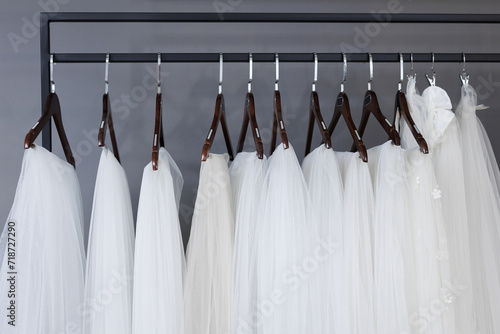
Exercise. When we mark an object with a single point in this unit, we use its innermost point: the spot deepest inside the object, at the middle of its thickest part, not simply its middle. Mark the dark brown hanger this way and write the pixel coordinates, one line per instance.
(371, 106)
(249, 117)
(107, 119)
(401, 107)
(278, 121)
(219, 117)
(52, 109)
(342, 108)
(315, 114)
(158, 140)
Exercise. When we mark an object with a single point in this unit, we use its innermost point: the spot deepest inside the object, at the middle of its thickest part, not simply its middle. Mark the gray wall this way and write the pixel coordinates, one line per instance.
(190, 89)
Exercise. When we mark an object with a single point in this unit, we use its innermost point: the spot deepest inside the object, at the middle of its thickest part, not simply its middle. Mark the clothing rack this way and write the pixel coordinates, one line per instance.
(47, 18)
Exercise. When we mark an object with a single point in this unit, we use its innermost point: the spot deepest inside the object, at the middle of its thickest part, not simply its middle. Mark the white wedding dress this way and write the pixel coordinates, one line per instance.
(159, 262)
(391, 220)
(289, 249)
(247, 174)
(430, 294)
(208, 285)
(110, 253)
(43, 257)
(358, 235)
(441, 130)
(482, 184)
(322, 175)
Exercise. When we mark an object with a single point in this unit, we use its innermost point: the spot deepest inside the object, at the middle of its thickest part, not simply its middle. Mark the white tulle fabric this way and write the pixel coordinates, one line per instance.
(322, 175)
(159, 253)
(289, 252)
(49, 251)
(247, 174)
(357, 235)
(482, 183)
(387, 167)
(208, 285)
(429, 291)
(110, 252)
(442, 132)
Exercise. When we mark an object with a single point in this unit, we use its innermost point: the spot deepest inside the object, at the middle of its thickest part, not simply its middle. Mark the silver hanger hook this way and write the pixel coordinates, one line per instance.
(344, 74)
(250, 72)
(464, 76)
(221, 71)
(158, 75)
(277, 61)
(315, 77)
(106, 75)
(401, 71)
(51, 74)
(412, 73)
(370, 58)
(432, 81)
(463, 58)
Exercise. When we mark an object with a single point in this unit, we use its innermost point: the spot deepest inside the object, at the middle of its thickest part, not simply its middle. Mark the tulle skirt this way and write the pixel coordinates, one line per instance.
(247, 174)
(429, 292)
(358, 235)
(42, 267)
(482, 182)
(387, 165)
(208, 285)
(159, 254)
(110, 253)
(440, 128)
(322, 175)
(289, 252)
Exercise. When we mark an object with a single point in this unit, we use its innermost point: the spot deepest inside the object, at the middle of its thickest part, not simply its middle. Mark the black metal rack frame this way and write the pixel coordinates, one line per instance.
(47, 18)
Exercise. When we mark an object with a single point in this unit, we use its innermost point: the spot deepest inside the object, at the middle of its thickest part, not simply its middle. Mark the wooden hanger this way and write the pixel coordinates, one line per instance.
(107, 119)
(249, 117)
(52, 109)
(371, 106)
(278, 121)
(219, 117)
(315, 113)
(158, 140)
(342, 108)
(401, 107)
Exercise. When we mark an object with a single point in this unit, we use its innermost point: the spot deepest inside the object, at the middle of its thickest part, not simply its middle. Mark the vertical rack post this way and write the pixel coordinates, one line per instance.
(45, 80)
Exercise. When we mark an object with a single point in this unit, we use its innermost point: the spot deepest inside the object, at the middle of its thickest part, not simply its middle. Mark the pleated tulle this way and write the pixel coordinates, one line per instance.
(208, 285)
(358, 235)
(247, 174)
(483, 211)
(322, 175)
(46, 221)
(159, 254)
(387, 167)
(442, 132)
(289, 251)
(110, 253)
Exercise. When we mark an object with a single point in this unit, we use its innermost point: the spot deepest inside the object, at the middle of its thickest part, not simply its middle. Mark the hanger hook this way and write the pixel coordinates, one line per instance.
(277, 61)
(221, 71)
(464, 76)
(106, 75)
(344, 75)
(158, 75)
(432, 81)
(250, 72)
(52, 83)
(315, 77)
(370, 58)
(401, 71)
